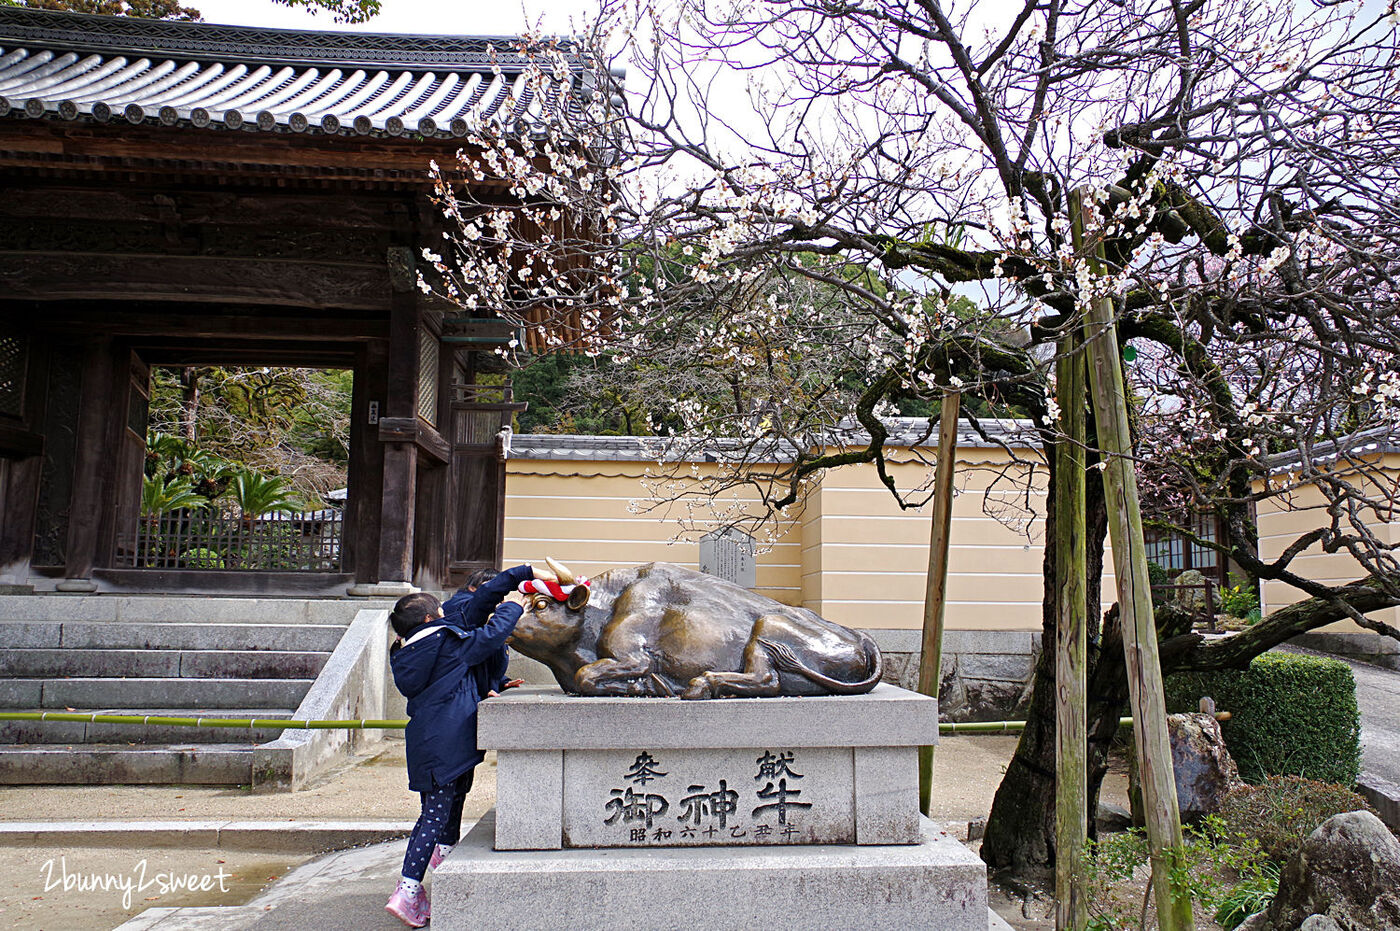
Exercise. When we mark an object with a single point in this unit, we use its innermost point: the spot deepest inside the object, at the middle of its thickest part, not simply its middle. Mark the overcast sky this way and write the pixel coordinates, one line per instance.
(442, 17)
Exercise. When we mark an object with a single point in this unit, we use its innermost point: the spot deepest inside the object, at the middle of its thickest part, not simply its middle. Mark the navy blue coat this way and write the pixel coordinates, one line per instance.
(471, 609)
(445, 670)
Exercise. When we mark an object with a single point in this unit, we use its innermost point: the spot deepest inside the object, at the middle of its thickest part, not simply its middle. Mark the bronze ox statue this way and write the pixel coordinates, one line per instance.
(662, 630)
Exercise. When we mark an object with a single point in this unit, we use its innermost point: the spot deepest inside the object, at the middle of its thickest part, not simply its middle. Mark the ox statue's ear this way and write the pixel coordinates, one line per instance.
(578, 598)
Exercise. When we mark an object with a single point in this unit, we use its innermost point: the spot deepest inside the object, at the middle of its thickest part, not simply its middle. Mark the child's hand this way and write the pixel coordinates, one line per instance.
(517, 598)
(514, 684)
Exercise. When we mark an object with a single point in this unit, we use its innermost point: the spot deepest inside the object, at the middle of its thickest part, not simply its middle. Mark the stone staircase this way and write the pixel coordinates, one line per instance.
(152, 655)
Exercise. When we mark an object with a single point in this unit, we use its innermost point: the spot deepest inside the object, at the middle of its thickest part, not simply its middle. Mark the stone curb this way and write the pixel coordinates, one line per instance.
(1384, 797)
(308, 837)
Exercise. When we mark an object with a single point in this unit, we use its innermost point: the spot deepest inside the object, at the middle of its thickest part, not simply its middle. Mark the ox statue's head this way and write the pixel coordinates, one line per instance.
(551, 621)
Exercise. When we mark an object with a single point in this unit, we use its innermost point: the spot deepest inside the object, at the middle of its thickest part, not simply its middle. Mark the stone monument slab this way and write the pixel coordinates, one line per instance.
(663, 772)
(731, 555)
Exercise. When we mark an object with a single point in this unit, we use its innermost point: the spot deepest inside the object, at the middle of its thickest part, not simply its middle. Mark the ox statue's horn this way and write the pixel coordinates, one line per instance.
(564, 574)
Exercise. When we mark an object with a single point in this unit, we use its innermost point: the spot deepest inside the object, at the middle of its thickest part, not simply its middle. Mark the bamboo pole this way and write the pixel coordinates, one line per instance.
(370, 724)
(1144, 668)
(936, 585)
(1071, 663)
(157, 720)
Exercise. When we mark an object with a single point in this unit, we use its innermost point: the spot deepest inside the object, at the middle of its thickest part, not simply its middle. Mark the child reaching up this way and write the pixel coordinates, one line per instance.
(445, 667)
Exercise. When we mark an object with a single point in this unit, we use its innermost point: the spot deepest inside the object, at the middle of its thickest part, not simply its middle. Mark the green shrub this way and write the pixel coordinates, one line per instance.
(1292, 714)
(1240, 599)
(202, 557)
(1253, 893)
(1281, 813)
(1223, 879)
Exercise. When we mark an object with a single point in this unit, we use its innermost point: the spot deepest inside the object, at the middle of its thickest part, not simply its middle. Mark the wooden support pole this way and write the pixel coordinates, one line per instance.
(1071, 727)
(936, 586)
(1154, 758)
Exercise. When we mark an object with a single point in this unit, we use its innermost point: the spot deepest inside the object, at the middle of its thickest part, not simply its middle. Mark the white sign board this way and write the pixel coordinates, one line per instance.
(729, 554)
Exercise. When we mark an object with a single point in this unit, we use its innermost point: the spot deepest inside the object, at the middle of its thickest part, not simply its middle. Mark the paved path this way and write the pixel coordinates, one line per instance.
(1378, 697)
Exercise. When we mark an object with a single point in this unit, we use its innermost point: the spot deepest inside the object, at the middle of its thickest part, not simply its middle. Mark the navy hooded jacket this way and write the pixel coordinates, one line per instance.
(470, 610)
(444, 670)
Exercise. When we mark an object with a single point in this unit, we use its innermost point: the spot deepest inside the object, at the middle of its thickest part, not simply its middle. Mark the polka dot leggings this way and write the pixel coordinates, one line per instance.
(440, 823)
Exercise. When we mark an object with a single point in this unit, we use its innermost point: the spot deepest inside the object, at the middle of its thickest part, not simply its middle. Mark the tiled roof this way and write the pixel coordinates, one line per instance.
(68, 66)
(904, 431)
(1375, 441)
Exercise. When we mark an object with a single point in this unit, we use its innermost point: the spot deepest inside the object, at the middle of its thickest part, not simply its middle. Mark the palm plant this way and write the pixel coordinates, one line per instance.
(159, 495)
(257, 494)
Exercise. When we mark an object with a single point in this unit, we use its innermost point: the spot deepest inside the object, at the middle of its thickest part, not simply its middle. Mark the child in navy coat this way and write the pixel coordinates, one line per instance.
(445, 664)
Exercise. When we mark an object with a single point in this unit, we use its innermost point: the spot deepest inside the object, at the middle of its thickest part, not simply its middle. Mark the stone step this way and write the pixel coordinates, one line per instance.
(135, 635)
(79, 732)
(110, 608)
(148, 692)
(108, 764)
(221, 664)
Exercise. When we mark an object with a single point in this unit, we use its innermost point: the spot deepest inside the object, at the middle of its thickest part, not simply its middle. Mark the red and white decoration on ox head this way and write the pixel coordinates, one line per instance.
(560, 584)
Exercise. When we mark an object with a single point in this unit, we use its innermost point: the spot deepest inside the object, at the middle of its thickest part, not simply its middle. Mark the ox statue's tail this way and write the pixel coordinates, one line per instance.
(786, 660)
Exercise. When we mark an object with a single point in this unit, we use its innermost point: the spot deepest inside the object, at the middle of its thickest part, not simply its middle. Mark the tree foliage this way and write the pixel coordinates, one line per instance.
(789, 199)
(342, 11)
(293, 423)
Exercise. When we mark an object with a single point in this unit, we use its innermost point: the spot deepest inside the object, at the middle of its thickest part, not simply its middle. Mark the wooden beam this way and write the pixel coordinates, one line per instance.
(18, 442)
(119, 143)
(1071, 644)
(421, 435)
(33, 199)
(1154, 755)
(61, 276)
(936, 584)
(302, 354)
(193, 321)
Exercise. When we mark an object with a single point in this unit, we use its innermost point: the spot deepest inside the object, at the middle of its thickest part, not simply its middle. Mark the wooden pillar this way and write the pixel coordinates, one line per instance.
(1153, 746)
(92, 463)
(360, 539)
(936, 584)
(1071, 640)
(399, 501)
(21, 470)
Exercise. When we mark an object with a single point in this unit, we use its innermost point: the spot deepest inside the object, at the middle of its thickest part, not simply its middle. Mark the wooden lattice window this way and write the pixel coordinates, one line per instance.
(428, 348)
(14, 358)
(1176, 553)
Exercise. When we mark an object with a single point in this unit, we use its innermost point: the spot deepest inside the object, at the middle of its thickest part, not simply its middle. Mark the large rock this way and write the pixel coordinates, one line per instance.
(1347, 872)
(1204, 769)
(1192, 599)
(1205, 772)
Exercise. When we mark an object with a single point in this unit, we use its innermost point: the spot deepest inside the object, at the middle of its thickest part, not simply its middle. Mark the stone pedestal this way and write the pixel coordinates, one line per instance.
(935, 883)
(665, 813)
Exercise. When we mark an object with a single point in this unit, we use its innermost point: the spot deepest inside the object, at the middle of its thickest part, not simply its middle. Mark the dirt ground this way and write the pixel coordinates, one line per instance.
(80, 888)
(967, 771)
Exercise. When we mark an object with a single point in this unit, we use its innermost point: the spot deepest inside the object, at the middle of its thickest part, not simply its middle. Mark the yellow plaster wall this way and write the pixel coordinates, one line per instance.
(852, 554)
(594, 516)
(1281, 522)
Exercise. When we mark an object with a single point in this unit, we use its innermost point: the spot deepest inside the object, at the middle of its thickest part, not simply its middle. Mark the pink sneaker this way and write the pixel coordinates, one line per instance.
(437, 857)
(412, 910)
